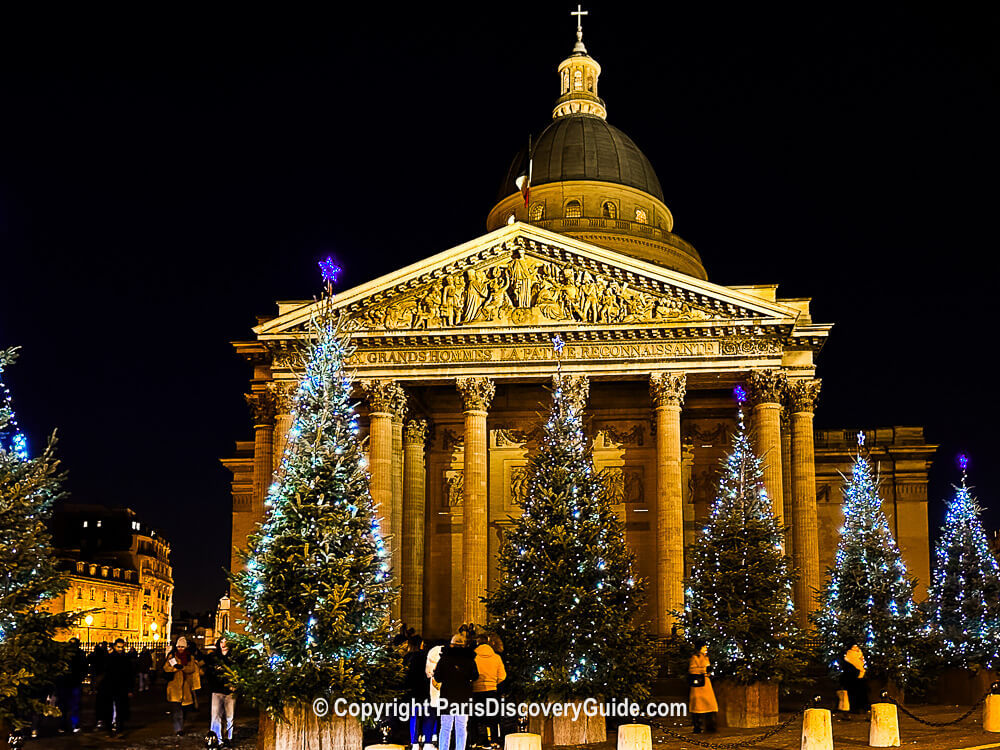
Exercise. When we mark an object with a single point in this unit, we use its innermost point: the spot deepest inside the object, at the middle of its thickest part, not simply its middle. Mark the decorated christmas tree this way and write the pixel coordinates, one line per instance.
(868, 596)
(569, 599)
(964, 599)
(316, 587)
(739, 596)
(29, 657)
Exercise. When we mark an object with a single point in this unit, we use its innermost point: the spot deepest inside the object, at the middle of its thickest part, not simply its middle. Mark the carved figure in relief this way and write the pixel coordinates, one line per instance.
(425, 312)
(524, 272)
(591, 298)
(451, 300)
(547, 301)
(497, 305)
(570, 295)
(476, 290)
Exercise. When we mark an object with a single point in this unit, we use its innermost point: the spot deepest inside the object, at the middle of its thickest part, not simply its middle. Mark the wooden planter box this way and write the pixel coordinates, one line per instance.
(964, 687)
(747, 706)
(305, 729)
(563, 730)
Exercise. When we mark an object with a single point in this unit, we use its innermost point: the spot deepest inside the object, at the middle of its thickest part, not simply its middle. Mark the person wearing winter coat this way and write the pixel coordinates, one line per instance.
(143, 666)
(69, 687)
(223, 699)
(852, 678)
(185, 679)
(491, 674)
(702, 703)
(454, 674)
(433, 690)
(116, 688)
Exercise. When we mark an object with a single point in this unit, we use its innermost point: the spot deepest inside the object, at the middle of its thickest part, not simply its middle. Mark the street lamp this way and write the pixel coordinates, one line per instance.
(152, 629)
(89, 619)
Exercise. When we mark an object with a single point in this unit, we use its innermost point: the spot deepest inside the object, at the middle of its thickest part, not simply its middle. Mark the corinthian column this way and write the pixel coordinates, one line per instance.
(414, 502)
(667, 391)
(802, 395)
(384, 397)
(766, 389)
(398, 414)
(477, 393)
(786, 474)
(264, 405)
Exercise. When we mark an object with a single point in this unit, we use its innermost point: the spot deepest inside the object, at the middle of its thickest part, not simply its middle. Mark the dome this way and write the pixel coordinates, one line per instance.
(584, 147)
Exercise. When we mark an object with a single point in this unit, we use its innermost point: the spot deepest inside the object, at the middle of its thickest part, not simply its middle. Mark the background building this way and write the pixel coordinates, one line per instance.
(119, 567)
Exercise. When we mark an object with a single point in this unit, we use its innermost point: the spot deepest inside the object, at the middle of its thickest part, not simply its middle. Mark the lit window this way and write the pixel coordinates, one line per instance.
(127, 602)
(116, 597)
(79, 567)
(98, 524)
(104, 595)
(537, 212)
(640, 216)
(609, 210)
(92, 592)
(574, 210)
(84, 524)
(590, 84)
(565, 81)
(511, 219)
(577, 80)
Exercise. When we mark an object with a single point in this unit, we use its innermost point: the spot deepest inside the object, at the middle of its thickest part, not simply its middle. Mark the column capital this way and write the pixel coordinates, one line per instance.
(667, 388)
(385, 397)
(415, 432)
(284, 393)
(576, 388)
(802, 394)
(477, 393)
(263, 405)
(766, 386)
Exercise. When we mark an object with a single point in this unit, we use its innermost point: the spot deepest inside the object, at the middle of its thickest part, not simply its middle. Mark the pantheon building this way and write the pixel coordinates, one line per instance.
(454, 354)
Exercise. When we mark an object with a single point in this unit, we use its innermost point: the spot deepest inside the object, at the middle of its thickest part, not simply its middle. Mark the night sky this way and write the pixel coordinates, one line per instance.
(166, 175)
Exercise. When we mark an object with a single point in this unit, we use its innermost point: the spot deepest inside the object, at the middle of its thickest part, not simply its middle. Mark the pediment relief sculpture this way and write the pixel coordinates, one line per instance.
(517, 287)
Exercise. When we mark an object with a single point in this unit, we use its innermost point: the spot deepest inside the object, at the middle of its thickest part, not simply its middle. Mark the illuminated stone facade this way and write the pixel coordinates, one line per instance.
(119, 571)
(454, 354)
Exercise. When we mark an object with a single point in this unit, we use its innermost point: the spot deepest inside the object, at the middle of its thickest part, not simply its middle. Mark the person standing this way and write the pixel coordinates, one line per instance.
(144, 665)
(217, 666)
(69, 687)
(486, 687)
(116, 688)
(432, 723)
(455, 673)
(852, 678)
(702, 703)
(417, 689)
(185, 679)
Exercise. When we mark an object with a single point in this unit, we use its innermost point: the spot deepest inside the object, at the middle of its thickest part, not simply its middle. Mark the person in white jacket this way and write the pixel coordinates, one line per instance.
(433, 722)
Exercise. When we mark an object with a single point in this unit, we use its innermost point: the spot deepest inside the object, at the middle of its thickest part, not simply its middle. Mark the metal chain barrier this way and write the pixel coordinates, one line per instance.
(994, 688)
(731, 745)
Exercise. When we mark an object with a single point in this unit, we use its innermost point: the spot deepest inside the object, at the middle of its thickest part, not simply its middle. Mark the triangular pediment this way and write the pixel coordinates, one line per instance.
(525, 277)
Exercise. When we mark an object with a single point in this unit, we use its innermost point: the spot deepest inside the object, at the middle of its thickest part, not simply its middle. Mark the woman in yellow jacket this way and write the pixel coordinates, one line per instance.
(702, 698)
(185, 672)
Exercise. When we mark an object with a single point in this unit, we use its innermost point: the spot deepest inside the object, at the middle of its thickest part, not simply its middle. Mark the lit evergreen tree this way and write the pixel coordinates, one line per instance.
(316, 588)
(964, 600)
(739, 596)
(29, 657)
(568, 601)
(868, 596)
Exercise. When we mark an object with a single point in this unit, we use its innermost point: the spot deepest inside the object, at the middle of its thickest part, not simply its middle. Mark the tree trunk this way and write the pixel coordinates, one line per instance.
(303, 730)
(747, 706)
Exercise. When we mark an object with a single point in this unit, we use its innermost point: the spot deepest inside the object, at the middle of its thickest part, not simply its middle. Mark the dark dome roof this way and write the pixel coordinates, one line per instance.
(585, 147)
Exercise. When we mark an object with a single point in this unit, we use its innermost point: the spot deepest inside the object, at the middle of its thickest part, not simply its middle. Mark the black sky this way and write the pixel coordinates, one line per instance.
(166, 174)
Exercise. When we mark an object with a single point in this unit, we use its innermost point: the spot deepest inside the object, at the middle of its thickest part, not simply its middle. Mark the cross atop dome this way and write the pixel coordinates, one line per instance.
(579, 13)
(578, 75)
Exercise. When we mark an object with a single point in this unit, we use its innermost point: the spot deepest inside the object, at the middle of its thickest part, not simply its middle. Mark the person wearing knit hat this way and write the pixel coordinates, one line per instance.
(184, 681)
(455, 673)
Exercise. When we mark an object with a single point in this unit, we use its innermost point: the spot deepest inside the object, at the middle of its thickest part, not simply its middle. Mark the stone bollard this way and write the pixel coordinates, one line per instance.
(635, 737)
(884, 730)
(843, 704)
(522, 741)
(384, 746)
(817, 729)
(991, 710)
